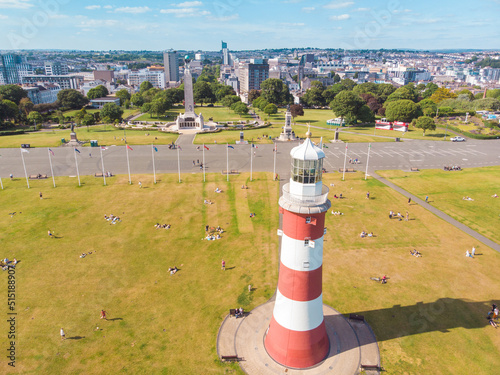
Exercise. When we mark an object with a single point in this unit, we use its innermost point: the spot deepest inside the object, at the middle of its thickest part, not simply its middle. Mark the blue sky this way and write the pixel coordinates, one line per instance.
(248, 24)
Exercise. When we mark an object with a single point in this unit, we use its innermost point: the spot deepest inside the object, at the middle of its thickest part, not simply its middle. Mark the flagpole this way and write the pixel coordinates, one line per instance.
(102, 164)
(274, 170)
(1, 183)
(153, 154)
(51, 170)
(368, 159)
(179, 164)
(25, 173)
(128, 166)
(77, 171)
(251, 161)
(203, 162)
(227, 162)
(345, 158)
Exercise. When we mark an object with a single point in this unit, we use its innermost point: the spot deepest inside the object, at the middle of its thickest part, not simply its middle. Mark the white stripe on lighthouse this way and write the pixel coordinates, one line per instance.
(298, 316)
(300, 257)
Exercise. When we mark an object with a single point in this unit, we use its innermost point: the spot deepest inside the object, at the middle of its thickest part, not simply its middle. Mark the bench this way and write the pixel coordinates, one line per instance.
(98, 174)
(232, 171)
(414, 169)
(361, 318)
(37, 176)
(371, 367)
(232, 312)
(230, 358)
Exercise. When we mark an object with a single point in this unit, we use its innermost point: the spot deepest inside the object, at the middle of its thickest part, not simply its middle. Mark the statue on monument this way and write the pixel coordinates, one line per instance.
(72, 127)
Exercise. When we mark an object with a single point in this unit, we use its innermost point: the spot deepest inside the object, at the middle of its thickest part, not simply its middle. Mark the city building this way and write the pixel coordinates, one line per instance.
(104, 75)
(100, 102)
(55, 68)
(64, 81)
(13, 68)
(42, 94)
(156, 76)
(171, 67)
(226, 56)
(252, 74)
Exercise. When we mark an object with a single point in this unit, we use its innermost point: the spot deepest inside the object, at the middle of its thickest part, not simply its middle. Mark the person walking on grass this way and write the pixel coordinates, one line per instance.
(407, 216)
(41, 197)
(223, 265)
(473, 252)
(367, 195)
(140, 184)
(63, 335)
(103, 315)
(409, 201)
(50, 234)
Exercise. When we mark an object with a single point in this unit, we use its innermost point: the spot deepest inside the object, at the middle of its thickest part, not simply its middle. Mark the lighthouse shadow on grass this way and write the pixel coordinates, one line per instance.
(443, 315)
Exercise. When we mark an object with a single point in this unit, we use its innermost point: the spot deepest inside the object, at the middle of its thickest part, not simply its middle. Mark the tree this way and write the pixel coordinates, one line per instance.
(224, 91)
(401, 110)
(137, 99)
(466, 92)
(296, 110)
(347, 105)
(365, 88)
(441, 94)
(260, 103)
(332, 91)
(271, 109)
(150, 94)
(71, 99)
(348, 84)
(26, 106)
(384, 90)
(8, 110)
(252, 95)
(240, 108)
(336, 78)
(35, 118)
(229, 100)
(371, 101)
(365, 114)
(314, 96)
(430, 89)
(425, 123)
(495, 93)
(111, 112)
(88, 120)
(203, 93)
(174, 95)
(487, 103)
(275, 91)
(403, 93)
(145, 86)
(98, 92)
(13, 93)
(124, 95)
(80, 115)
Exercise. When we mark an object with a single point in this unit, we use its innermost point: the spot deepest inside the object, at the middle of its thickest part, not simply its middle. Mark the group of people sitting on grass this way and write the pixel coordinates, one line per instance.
(364, 234)
(217, 190)
(467, 198)
(162, 226)
(493, 315)
(244, 186)
(452, 168)
(339, 196)
(415, 253)
(494, 196)
(213, 233)
(85, 254)
(112, 218)
(6, 263)
(398, 215)
(208, 201)
(336, 213)
(173, 270)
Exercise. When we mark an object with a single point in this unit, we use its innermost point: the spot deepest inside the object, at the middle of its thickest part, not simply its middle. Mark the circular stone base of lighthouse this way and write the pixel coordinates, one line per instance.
(352, 344)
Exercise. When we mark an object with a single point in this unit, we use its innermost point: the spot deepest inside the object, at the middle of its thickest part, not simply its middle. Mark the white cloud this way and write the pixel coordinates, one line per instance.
(396, 11)
(337, 5)
(2, 17)
(93, 24)
(186, 12)
(308, 9)
(132, 10)
(361, 10)
(342, 17)
(93, 7)
(189, 4)
(15, 4)
(108, 7)
(224, 18)
(289, 24)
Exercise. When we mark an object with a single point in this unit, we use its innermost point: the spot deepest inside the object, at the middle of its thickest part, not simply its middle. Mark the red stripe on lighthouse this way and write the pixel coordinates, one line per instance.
(295, 226)
(300, 285)
(297, 349)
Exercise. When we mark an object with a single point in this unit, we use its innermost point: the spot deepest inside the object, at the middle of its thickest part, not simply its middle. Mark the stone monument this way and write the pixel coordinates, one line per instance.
(189, 119)
(242, 140)
(287, 134)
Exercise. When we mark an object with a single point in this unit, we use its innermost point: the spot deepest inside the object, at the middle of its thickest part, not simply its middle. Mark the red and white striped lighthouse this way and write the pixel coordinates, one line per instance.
(297, 336)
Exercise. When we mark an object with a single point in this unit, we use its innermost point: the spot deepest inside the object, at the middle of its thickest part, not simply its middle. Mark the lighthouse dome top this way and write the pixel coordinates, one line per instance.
(307, 151)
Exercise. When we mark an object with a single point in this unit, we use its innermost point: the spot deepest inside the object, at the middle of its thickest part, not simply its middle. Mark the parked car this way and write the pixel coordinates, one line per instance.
(457, 139)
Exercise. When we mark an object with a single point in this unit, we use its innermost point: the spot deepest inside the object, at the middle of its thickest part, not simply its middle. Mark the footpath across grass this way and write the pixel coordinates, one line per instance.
(429, 318)
(446, 190)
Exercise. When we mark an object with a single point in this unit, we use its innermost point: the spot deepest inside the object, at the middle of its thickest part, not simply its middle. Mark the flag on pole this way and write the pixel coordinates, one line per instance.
(52, 152)
(254, 146)
(77, 150)
(130, 148)
(229, 146)
(206, 147)
(104, 148)
(155, 148)
(24, 150)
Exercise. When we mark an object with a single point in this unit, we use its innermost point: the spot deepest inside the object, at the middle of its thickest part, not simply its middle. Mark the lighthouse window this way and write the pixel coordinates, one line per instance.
(308, 220)
(307, 171)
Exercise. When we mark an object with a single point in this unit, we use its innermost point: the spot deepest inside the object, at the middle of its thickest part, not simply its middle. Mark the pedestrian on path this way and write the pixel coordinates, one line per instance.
(90, 155)
(426, 199)
(223, 265)
(63, 335)
(11, 176)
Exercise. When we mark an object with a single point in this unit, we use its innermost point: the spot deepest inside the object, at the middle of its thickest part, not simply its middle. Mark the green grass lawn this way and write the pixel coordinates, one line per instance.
(105, 134)
(429, 318)
(447, 188)
(126, 112)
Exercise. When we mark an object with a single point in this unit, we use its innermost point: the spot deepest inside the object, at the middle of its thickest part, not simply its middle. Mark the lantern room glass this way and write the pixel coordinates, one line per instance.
(307, 171)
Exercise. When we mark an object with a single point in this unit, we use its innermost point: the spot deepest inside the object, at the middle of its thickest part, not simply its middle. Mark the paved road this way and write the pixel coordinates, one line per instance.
(394, 155)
